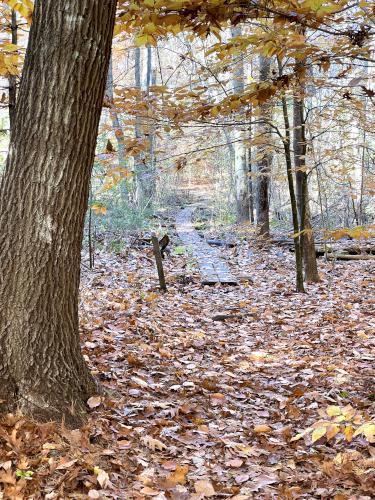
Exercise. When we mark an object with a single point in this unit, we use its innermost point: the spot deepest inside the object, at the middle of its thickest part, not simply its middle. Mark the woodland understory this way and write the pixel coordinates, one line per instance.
(207, 386)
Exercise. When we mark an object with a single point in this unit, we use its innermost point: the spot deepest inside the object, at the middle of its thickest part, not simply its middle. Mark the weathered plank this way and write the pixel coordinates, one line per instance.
(213, 269)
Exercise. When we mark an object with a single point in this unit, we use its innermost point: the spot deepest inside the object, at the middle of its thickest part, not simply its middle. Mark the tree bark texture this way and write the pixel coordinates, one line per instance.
(307, 235)
(241, 177)
(43, 200)
(264, 158)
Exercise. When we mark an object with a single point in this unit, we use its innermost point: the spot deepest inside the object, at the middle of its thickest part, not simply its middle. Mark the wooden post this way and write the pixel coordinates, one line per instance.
(159, 262)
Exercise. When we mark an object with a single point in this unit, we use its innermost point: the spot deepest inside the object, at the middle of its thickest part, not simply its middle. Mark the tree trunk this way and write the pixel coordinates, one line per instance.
(241, 177)
(264, 157)
(149, 184)
(139, 158)
(307, 235)
(13, 79)
(250, 183)
(293, 201)
(43, 200)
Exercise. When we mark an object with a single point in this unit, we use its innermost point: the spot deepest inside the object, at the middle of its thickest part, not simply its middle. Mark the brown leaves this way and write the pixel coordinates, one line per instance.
(205, 488)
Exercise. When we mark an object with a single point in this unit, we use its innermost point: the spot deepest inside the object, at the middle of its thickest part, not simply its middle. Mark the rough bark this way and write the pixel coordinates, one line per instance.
(264, 159)
(241, 177)
(307, 235)
(43, 200)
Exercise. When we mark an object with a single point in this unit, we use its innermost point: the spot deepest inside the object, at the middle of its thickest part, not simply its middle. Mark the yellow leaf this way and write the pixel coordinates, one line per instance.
(333, 411)
(318, 433)
(368, 430)
(348, 433)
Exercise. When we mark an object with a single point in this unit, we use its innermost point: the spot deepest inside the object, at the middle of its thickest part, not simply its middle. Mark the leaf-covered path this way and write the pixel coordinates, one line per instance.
(198, 407)
(212, 267)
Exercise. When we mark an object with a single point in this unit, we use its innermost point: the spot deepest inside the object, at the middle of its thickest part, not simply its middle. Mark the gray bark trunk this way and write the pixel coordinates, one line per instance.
(307, 236)
(43, 200)
(264, 158)
(241, 178)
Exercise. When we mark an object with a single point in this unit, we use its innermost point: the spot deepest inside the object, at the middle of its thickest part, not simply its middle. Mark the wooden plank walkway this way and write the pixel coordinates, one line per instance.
(212, 267)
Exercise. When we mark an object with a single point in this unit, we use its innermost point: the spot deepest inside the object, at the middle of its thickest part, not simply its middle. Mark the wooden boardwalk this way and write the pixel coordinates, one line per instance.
(212, 267)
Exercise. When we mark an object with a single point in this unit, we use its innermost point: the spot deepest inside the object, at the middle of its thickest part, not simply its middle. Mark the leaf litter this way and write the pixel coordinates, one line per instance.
(275, 399)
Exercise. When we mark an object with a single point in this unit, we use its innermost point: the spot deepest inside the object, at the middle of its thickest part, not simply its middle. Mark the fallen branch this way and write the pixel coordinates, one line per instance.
(343, 256)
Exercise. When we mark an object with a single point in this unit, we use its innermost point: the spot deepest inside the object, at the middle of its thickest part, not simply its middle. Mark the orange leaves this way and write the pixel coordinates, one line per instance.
(357, 233)
(99, 208)
(262, 429)
(177, 477)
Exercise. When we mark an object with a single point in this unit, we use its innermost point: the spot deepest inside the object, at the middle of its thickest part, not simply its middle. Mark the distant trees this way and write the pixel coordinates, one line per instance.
(241, 167)
(43, 200)
(263, 154)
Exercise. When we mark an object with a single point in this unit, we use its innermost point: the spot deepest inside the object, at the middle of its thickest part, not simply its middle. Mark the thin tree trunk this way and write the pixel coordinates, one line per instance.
(293, 200)
(240, 162)
(13, 79)
(264, 158)
(149, 185)
(138, 168)
(250, 184)
(43, 200)
(307, 235)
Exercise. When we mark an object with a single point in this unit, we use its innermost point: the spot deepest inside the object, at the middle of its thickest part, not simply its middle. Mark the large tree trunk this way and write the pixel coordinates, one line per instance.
(241, 177)
(264, 158)
(43, 200)
(307, 235)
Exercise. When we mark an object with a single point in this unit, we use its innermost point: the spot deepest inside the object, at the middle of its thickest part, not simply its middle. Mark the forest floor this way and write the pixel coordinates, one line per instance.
(208, 387)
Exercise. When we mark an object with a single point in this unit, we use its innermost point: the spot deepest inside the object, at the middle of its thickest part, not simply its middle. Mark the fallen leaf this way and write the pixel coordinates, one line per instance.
(153, 444)
(205, 488)
(178, 476)
(94, 402)
(262, 429)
